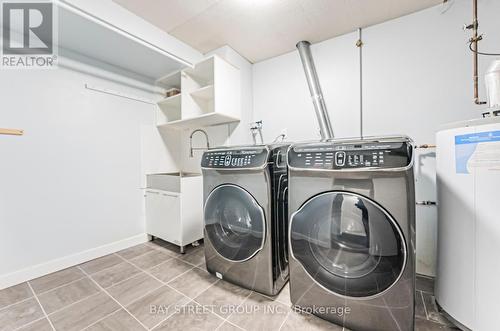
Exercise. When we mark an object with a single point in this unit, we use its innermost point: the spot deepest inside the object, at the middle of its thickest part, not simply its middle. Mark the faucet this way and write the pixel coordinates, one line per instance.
(279, 138)
(256, 128)
(191, 148)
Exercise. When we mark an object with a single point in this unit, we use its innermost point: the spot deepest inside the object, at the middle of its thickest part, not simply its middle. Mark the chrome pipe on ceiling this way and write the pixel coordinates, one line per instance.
(325, 126)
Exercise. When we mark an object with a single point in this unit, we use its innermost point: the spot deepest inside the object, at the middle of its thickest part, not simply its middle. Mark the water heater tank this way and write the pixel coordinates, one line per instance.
(493, 84)
(468, 181)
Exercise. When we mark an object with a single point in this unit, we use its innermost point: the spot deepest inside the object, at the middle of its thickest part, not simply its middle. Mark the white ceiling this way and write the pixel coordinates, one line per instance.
(260, 29)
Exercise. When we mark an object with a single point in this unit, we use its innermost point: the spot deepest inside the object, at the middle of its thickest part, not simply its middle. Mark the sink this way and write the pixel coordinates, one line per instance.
(171, 182)
(181, 174)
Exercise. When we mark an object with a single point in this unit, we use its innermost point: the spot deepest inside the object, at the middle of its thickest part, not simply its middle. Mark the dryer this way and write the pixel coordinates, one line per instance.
(246, 216)
(352, 232)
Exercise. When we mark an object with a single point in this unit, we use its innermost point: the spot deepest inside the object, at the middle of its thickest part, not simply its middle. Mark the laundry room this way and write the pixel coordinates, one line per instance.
(249, 165)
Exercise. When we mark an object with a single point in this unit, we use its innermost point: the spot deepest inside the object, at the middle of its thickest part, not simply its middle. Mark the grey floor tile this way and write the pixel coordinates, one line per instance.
(170, 269)
(425, 284)
(20, 314)
(151, 259)
(119, 321)
(157, 242)
(419, 305)
(155, 307)
(40, 325)
(260, 313)
(203, 266)
(56, 279)
(223, 298)
(190, 248)
(101, 263)
(133, 288)
(193, 282)
(172, 249)
(164, 246)
(426, 325)
(135, 251)
(67, 294)
(431, 308)
(14, 294)
(301, 321)
(115, 274)
(192, 317)
(84, 313)
(195, 258)
(284, 295)
(226, 326)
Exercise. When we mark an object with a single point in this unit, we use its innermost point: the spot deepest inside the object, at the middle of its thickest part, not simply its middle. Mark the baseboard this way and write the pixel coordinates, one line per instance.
(43, 269)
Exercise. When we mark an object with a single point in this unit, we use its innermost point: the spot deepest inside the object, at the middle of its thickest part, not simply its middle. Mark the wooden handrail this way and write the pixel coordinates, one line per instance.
(12, 132)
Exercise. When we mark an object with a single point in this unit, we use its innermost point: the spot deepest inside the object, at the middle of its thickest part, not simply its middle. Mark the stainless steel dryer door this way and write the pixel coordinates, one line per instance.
(234, 223)
(348, 244)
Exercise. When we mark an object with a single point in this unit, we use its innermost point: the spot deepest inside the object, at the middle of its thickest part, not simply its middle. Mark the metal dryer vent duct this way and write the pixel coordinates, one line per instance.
(325, 126)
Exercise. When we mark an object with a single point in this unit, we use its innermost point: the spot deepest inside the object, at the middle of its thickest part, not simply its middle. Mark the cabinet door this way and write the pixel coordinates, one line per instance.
(163, 215)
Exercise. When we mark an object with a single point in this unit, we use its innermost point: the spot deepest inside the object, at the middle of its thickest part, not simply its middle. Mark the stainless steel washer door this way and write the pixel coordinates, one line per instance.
(234, 223)
(348, 244)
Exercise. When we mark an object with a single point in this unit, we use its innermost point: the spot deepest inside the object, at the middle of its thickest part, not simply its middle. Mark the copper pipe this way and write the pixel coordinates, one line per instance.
(474, 40)
(425, 146)
(359, 44)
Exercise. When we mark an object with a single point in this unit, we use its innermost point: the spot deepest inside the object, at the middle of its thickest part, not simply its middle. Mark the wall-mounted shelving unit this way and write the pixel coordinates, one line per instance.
(210, 119)
(83, 33)
(210, 95)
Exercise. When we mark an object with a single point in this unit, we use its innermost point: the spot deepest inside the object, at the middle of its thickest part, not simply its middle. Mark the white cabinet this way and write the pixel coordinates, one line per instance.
(210, 95)
(176, 217)
(163, 215)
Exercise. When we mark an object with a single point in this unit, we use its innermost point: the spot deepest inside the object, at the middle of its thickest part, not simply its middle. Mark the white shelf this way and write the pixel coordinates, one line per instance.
(170, 109)
(171, 102)
(172, 80)
(203, 103)
(82, 33)
(205, 93)
(209, 119)
(203, 72)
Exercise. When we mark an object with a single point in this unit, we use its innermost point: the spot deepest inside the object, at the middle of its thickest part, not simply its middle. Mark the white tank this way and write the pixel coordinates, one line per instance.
(468, 182)
(493, 84)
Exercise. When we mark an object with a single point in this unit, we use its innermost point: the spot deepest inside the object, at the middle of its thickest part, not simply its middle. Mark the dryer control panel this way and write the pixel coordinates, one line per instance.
(235, 158)
(356, 155)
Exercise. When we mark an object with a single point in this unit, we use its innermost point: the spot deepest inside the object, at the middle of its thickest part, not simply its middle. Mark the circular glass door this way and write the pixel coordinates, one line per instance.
(348, 244)
(234, 223)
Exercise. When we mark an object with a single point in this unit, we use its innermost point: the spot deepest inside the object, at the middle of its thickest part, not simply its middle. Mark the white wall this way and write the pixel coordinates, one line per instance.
(240, 132)
(281, 95)
(70, 187)
(417, 76)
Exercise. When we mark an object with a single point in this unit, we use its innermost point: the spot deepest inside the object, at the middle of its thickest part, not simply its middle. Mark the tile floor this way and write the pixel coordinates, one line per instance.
(152, 287)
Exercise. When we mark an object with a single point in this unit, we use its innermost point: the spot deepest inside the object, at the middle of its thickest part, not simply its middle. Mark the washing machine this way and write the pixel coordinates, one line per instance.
(246, 216)
(352, 232)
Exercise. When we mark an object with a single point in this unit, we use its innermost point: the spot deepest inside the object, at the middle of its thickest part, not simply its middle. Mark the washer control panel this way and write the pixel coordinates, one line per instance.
(338, 156)
(235, 158)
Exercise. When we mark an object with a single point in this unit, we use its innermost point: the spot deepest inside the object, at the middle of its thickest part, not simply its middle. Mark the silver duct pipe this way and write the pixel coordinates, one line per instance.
(325, 126)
